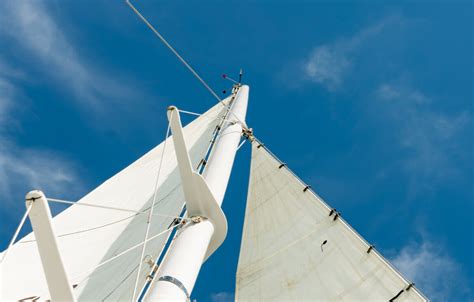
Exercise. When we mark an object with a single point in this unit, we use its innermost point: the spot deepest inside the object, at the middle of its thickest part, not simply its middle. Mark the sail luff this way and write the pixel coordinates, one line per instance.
(295, 247)
(341, 219)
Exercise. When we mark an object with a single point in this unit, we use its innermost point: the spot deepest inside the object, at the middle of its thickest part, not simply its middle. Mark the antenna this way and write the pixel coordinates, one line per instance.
(181, 59)
(225, 76)
(230, 79)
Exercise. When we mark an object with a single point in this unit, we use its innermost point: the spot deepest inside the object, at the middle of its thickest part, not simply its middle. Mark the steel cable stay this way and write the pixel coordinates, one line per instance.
(185, 63)
(174, 52)
(150, 215)
(107, 207)
(18, 229)
(124, 252)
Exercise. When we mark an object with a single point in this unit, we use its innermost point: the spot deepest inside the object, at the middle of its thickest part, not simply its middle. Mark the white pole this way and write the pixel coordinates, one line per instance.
(179, 269)
(60, 288)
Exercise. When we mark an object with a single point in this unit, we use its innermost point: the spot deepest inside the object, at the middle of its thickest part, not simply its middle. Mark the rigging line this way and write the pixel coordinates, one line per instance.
(151, 209)
(347, 226)
(125, 252)
(20, 226)
(120, 284)
(108, 224)
(219, 128)
(173, 51)
(190, 112)
(231, 105)
(160, 257)
(223, 118)
(86, 230)
(105, 207)
(241, 144)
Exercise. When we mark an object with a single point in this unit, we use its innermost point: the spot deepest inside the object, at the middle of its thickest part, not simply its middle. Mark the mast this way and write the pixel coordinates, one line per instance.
(179, 269)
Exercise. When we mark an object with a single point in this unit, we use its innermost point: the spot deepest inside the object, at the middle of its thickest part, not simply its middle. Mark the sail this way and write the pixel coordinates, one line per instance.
(295, 248)
(89, 236)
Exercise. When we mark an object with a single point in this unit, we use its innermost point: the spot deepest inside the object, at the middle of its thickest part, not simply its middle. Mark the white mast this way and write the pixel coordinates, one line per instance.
(178, 271)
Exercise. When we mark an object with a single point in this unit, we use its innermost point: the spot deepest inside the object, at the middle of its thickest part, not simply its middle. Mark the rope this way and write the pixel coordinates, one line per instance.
(222, 118)
(189, 112)
(125, 252)
(85, 230)
(151, 210)
(183, 61)
(20, 225)
(105, 207)
(111, 223)
(173, 51)
(241, 144)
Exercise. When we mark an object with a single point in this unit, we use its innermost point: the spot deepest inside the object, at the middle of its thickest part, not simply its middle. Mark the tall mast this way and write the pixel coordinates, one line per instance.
(179, 269)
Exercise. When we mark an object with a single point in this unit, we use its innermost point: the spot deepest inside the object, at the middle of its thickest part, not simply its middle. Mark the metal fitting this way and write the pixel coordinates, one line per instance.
(196, 219)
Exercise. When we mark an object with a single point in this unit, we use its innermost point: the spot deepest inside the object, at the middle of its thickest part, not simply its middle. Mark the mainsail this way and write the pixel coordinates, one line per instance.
(89, 236)
(295, 247)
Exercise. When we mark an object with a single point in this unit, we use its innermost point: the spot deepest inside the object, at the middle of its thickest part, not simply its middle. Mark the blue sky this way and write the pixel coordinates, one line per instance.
(369, 102)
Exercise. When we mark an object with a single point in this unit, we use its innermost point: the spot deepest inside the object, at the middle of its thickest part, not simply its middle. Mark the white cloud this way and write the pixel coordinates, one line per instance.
(432, 140)
(328, 64)
(394, 93)
(25, 168)
(6, 92)
(30, 24)
(222, 297)
(434, 272)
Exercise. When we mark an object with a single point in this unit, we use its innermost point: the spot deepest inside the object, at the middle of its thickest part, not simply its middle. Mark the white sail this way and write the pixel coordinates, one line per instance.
(293, 249)
(88, 236)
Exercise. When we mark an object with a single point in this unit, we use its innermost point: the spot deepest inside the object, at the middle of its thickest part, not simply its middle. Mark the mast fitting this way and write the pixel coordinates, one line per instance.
(248, 133)
(371, 247)
(197, 219)
(337, 214)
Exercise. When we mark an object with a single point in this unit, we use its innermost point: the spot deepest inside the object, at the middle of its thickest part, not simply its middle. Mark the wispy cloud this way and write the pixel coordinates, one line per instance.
(30, 25)
(434, 272)
(328, 64)
(432, 141)
(26, 168)
(6, 92)
(222, 297)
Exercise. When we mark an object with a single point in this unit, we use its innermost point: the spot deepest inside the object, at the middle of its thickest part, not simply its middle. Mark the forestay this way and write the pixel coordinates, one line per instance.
(88, 236)
(293, 249)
